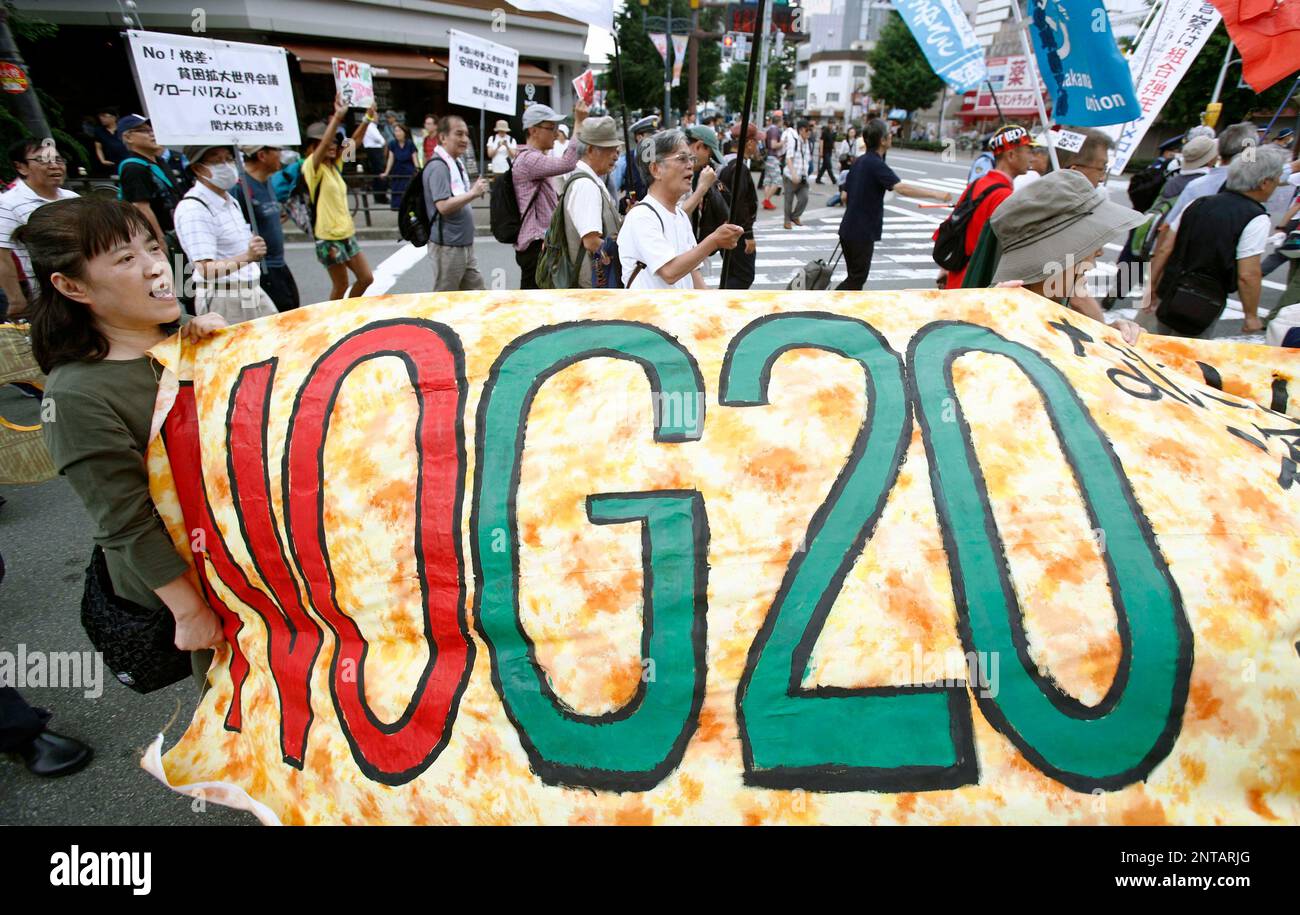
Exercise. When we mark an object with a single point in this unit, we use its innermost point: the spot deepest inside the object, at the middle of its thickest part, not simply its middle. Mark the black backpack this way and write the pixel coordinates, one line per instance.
(413, 218)
(301, 203)
(1145, 186)
(503, 210)
(950, 239)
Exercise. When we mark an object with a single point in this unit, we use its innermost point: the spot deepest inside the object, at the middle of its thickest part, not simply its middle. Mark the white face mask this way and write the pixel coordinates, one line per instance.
(224, 175)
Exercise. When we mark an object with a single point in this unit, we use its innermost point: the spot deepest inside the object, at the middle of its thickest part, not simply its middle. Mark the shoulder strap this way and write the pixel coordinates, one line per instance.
(196, 199)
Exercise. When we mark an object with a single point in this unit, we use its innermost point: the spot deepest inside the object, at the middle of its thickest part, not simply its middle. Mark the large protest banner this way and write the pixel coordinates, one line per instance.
(948, 40)
(354, 82)
(911, 557)
(1158, 64)
(1080, 63)
(197, 89)
(481, 74)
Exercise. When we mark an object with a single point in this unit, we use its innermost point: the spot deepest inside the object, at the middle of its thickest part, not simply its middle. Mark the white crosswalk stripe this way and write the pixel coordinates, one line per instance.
(902, 257)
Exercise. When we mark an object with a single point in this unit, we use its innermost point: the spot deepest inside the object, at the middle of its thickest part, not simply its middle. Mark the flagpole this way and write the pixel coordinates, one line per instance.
(1036, 88)
(629, 157)
(741, 171)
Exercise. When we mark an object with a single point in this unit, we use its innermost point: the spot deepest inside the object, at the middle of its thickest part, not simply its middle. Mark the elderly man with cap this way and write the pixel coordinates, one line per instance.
(536, 195)
(628, 177)
(501, 148)
(591, 220)
(1051, 234)
(742, 259)
(211, 227)
(260, 164)
(322, 170)
(1010, 148)
(146, 181)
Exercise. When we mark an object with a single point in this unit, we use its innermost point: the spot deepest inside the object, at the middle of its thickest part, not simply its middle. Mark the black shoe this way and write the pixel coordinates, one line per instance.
(51, 755)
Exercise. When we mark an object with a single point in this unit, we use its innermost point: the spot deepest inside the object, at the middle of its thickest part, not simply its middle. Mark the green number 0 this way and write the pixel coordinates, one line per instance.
(829, 738)
(636, 746)
(1122, 738)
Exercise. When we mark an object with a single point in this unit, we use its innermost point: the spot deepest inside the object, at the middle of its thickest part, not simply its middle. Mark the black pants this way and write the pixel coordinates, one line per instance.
(376, 158)
(740, 269)
(278, 283)
(527, 261)
(19, 722)
(857, 257)
(826, 166)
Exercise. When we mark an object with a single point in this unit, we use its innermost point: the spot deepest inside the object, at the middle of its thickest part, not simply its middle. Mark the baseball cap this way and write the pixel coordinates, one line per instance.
(317, 131)
(130, 122)
(706, 136)
(536, 114)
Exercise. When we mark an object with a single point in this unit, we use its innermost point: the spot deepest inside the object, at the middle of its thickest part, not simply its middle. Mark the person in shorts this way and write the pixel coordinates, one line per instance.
(336, 233)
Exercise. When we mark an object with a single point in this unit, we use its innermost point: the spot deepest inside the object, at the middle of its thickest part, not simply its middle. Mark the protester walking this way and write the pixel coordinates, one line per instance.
(374, 146)
(105, 299)
(794, 175)
(261, 164)
(774, 159)
(429, 141)
(399, 167)
(742, 261)
(1010, 149)
(827, 160)
(1219, 240)
(864, 206)
(336, 242)
(448, 195)
(628, 177)
(591, 220)
(215, 236)
(41, 170)
(657, 245)
(152, 185)
(533, 168)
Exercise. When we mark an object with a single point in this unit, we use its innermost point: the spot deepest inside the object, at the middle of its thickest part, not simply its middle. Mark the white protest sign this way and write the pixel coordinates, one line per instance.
(1068, 140)
(353, 83)
(481, 74)
(197, 90)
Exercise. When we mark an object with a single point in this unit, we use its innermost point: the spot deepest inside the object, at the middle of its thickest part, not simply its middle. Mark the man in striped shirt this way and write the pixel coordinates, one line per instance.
(798, 159)
(41, 171)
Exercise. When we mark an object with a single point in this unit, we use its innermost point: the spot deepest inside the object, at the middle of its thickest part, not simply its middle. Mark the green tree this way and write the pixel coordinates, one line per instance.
(900, 73)
(28, 29)
(643, 68)
(1183, 110)
(780, 78)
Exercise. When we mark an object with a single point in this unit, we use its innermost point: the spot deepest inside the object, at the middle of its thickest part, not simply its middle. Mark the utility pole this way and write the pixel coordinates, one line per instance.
(18, 82)
(762, 61)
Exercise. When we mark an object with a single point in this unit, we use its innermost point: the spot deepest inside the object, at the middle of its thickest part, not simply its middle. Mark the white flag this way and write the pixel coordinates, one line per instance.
(679, 57)
(593, 12)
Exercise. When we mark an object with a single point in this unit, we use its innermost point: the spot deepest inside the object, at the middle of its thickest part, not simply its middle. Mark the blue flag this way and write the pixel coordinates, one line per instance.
(1081, 65)
(947, 39)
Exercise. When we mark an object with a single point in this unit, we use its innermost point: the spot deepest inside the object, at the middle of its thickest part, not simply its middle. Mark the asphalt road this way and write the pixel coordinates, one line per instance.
(45, 541)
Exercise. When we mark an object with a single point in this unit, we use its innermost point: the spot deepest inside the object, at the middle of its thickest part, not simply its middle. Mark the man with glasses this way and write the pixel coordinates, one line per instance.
(260, 163)
(41, 171)
(148, 182)
(1093, 158)
(535, 192)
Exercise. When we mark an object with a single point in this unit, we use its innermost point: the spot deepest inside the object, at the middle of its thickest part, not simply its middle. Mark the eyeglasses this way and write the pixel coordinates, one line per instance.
(45, 160)
(681, 159)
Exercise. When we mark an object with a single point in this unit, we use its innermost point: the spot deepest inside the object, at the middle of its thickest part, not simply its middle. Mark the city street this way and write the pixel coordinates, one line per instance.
(45, 534)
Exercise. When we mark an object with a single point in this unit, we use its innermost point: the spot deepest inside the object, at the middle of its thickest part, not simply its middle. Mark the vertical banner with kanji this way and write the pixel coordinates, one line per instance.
(1158, 64)
(948, 40)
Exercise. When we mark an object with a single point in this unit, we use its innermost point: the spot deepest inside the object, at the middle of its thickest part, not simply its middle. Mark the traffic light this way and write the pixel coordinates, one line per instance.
(727, 42)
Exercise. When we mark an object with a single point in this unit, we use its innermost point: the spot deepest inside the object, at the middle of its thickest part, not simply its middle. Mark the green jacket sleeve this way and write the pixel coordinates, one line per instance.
(94, 449)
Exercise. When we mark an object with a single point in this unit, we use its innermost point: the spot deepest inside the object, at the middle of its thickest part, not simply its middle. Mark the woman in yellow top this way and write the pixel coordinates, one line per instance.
(336, 241)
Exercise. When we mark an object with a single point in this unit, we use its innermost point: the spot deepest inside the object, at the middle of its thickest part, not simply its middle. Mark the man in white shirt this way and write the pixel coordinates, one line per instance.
(41, 171)
(590, 215)
(656, 244)
(374, 146)
(211, 228)
(794, 179)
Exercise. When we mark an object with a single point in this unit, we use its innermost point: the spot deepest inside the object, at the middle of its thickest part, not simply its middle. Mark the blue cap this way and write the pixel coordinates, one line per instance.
(130, 122)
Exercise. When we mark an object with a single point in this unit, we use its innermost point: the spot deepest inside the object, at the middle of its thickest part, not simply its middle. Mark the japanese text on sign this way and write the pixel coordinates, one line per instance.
(482, 74)
(196, 90)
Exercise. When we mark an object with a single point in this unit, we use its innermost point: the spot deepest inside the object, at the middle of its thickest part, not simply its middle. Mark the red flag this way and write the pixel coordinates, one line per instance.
(1267, 35)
